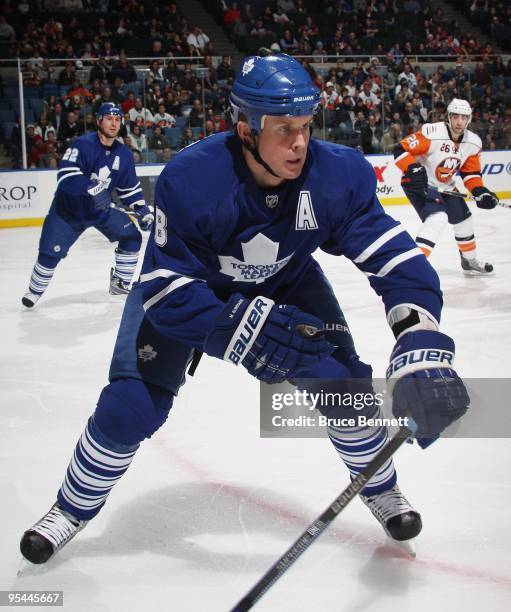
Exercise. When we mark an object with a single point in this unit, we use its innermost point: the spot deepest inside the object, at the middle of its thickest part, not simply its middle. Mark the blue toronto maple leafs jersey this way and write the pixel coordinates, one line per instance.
(217, 232)
(87, 159)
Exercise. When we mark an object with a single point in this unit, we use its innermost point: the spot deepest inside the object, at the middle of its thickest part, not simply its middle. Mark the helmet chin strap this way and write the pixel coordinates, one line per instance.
(252, 148)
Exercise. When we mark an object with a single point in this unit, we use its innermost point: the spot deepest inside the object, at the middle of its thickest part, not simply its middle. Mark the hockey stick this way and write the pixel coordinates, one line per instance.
(315, 529)
(126, 211)
(469, 196)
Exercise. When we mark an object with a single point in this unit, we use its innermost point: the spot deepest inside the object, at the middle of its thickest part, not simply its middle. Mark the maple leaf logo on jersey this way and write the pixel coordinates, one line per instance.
(103, 176)
(259, 261)
(247, 66)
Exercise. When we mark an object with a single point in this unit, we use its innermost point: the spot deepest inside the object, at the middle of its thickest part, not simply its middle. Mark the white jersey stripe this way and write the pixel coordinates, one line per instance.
(179, 282)
(162, 273)
(395, 261)
(128, 188)
(74, 173)
(372, 248)
(130, 194)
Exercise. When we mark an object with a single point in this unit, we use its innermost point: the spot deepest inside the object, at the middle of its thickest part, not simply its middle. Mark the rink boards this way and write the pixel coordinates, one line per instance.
(25, 195)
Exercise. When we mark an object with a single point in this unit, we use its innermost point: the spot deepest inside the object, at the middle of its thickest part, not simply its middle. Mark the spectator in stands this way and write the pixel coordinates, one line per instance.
(69, 129)
(187, 137)
(344, 117)
(172, 105)
(319, 51)
(30, 78)
(89, 123)
(164, 155)
(196, 116)
(198, 39)
(106, 96)
(368, 96)
(231, 15)
(100, 70)
(50, 158)
(43, 127)
(36, 152)
(7, 32)
(139, 111)
(138, 139)
(77, 89)
(47, 72)
(67, 75)
(128, 103)
(162, 118)
(409, 75)
(56, 116)
(288, 42)
(224, 70)
(156, 72)
(391, 138)
(123, 70)
(158, 141)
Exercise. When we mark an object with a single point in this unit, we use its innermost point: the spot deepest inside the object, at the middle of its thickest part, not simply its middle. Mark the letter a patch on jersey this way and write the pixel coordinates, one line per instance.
(305, 217)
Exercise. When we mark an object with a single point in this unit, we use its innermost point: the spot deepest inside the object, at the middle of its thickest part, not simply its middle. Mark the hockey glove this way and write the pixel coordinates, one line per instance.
(99, 194)
(273, 342)
(145, 217)
(426, 387)
(485, 198)
(415, 179)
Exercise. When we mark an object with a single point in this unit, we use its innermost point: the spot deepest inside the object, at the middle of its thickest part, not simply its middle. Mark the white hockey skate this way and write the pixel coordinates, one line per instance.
(473, 267)
(53, 531)
(118, 286)
(395, 514)
(29, 300)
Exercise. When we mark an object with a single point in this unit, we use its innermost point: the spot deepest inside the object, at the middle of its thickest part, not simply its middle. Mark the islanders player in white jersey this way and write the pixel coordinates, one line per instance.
(229, 273)
(430, 160)
(91, 168)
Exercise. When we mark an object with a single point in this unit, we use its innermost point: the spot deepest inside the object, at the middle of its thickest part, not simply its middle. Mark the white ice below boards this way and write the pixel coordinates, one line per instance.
(202, 512)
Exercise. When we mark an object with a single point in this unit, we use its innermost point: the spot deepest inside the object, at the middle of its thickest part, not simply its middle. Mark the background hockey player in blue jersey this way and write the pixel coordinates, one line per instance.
(229, 272)
(91, 168)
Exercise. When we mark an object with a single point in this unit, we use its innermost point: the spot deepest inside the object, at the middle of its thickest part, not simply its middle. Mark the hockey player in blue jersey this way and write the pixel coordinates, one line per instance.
(229, 272)
(91, 168)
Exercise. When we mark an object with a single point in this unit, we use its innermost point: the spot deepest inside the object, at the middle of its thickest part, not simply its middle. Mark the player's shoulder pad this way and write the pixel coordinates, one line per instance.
(472, 138)
(435, 130)
(205, 164)
(201, 173)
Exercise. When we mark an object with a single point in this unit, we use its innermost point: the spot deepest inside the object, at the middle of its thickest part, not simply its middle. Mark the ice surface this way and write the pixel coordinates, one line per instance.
(207, 505)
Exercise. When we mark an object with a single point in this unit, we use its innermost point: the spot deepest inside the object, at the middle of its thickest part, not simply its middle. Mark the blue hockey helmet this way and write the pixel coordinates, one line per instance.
(109, 108)
(272, 85)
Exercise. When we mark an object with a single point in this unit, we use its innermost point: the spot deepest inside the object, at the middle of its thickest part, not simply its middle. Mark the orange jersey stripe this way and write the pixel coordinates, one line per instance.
(404, 161)
(472, 165)
(473, 182)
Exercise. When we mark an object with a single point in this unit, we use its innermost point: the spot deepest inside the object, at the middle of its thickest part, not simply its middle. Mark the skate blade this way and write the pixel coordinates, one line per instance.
(407, 546)
(25, 567)
(474, 273)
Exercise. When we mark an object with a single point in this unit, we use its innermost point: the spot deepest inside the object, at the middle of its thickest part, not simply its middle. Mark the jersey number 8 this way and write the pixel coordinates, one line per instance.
(160, 227)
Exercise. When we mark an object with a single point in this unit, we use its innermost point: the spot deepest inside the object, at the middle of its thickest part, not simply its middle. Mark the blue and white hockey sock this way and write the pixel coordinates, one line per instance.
(42, 274)
(357, 446)
(96, 466)
(125, 264)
